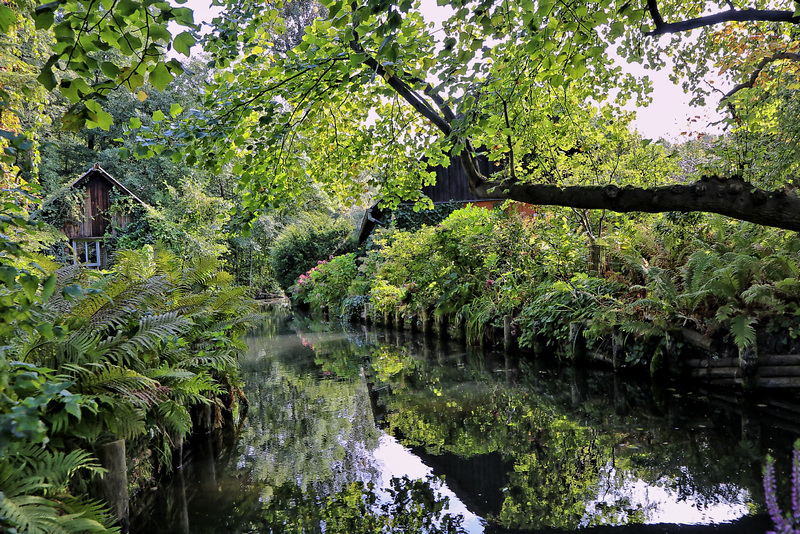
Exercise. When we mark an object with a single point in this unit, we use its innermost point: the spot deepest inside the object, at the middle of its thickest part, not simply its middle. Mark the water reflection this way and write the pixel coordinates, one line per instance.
(522, 446)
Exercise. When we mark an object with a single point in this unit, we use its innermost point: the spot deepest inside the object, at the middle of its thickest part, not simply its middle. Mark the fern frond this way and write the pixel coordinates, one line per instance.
(96, 379)
(233, 299)
(744, 334)
(218, 360)
(31, 514)
(197, 276)
(190, 304)
(788, 288)
(78, 348)
(174, 417)
(245, 321)
(641, 329)
(44, 263)
(58, 467)
(89, 305)
(128, 299)
(220, 279)
(697, 269)
(153, 330)
(136, 264)
(88, 514)
(65, 276)
(759, 294)
(123, 419)
(32, 482)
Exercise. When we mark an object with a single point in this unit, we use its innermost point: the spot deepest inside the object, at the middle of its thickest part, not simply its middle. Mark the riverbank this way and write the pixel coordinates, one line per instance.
(673, 295)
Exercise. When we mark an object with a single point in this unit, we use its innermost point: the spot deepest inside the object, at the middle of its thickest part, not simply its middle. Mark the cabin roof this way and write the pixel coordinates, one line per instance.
(97, 170)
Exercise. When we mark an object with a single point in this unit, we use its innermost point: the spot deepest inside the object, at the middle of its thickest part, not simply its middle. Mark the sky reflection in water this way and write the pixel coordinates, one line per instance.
(521, 447)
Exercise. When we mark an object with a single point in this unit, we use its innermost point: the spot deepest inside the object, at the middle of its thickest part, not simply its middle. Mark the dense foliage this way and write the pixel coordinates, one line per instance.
(91, 357)
(644, 279)
(299, 103)
(301, 245)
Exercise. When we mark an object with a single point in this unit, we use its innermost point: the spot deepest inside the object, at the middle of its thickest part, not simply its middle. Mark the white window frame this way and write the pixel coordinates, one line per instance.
(76, 246)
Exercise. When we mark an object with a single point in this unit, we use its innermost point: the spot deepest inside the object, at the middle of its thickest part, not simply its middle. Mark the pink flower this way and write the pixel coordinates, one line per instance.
(489, 284)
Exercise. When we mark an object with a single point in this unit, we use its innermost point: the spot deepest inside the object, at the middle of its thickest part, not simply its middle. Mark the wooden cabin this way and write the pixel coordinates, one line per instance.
(87, 235)
(452, 185)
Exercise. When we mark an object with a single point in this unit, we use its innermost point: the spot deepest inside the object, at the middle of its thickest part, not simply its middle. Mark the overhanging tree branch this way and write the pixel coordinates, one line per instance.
(740, 15)
(732, 197)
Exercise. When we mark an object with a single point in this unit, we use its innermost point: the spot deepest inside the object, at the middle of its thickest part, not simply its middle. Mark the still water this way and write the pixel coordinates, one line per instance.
(343, 420)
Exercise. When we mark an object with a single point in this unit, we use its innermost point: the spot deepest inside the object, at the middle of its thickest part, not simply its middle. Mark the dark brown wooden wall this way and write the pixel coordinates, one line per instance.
(452, 182)
(96, 218)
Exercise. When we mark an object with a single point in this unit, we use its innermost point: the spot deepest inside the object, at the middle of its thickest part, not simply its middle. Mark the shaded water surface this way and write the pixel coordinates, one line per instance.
(339, 415)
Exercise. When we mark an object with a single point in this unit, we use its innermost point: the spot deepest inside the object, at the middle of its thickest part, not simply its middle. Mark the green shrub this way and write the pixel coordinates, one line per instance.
(386, 297)
(313, 238)
(326, 285)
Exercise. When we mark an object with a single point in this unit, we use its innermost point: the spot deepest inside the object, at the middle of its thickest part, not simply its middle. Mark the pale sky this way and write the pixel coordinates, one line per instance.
(669, 116)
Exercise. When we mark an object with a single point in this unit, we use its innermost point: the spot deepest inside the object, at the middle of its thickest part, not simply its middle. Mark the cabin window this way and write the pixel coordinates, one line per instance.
(87, 253)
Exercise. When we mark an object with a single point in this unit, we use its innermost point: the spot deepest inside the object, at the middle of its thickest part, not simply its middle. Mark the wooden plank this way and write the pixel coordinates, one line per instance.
(726, 382)
(780, 359)
(697, 339)
(780, 382)
(715, 372)
(779, 370)
(709, 362)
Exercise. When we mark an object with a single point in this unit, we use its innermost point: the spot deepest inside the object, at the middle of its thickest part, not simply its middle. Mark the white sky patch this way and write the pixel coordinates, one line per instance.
(395, 460)
(662, 505)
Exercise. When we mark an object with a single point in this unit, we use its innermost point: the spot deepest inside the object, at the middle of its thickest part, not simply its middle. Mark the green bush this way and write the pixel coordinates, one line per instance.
(326, 285)
(314, 237)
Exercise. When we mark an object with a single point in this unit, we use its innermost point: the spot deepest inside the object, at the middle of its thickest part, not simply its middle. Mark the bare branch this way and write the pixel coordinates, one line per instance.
(743, 15)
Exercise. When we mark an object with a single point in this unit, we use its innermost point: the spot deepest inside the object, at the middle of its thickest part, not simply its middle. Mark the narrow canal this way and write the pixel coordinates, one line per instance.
(343, 420)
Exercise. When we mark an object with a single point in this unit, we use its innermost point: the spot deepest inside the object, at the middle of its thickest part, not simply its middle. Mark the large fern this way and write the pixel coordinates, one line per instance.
(33, 496)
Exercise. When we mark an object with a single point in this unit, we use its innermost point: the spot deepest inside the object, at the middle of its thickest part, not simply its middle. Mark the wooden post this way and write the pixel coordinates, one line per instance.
(617, 349)
(398, 319)
(459, 327)
(205, 418)
(114, 484)
(620, 396)
(577, 342)
(508, 329)
(426, 322)
(748, 363)
(580, 386)
(181, 502)
(177, 454)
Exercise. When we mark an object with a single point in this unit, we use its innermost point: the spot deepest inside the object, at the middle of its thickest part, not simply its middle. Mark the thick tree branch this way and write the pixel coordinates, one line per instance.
(652, 7)
(731, 197)
(761, 66)
(742, 15)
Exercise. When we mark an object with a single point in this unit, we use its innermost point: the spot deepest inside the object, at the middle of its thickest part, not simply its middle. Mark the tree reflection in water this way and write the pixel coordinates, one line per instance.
(524, 447)
(574, 460)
